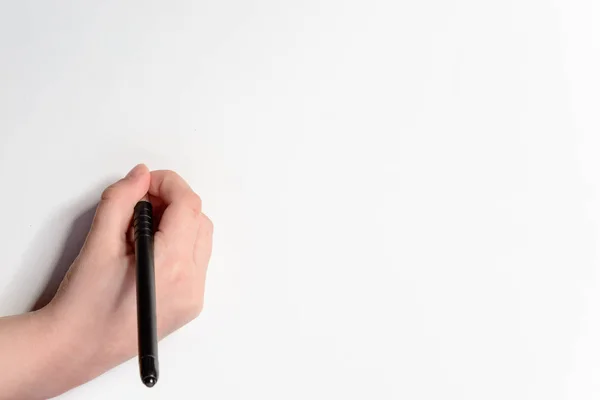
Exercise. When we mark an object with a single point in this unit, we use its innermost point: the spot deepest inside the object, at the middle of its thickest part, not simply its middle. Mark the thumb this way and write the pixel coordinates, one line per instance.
(114, 213)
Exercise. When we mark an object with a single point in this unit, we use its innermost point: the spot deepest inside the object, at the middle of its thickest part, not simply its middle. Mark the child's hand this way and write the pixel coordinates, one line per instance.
(94, 311)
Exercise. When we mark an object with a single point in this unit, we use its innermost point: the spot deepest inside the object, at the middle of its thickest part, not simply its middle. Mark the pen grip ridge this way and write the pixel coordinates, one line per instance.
(142, 219)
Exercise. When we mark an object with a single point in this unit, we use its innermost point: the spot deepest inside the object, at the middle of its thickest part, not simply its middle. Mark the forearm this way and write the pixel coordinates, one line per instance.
(36, 357)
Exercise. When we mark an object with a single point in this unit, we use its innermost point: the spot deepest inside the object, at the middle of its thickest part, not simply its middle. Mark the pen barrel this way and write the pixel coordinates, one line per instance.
(145, 290)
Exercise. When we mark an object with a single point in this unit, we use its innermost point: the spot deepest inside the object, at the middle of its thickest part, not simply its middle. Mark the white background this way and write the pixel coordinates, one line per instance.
(405, 193)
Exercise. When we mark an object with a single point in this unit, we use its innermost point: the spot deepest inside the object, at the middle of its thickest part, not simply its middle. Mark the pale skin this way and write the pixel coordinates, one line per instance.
(89, 326)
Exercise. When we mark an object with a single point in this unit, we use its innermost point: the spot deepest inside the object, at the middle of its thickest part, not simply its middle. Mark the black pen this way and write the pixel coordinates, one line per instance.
(146, 297)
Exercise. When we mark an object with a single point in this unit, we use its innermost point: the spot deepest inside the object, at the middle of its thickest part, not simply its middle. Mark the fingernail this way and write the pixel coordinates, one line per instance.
(136, 171)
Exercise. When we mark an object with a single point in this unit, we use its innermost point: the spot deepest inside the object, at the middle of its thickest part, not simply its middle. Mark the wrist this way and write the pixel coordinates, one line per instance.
(33, 357)
(62, 353)
(65, 353)
(86, 345)
(77, 353)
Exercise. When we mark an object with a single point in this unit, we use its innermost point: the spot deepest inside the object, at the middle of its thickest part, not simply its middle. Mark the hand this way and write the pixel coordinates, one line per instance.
(94, 311)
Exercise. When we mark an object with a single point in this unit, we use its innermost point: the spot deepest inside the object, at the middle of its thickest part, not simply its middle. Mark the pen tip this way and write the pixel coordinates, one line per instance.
(149, 381)
(149, 370)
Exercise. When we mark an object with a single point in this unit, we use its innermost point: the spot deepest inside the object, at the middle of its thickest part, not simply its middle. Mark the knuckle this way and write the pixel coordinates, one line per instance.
(208, 225)
(169, 174)
(196, 308)
(192, 299)
(179, 274)
(109, 193)
(195, 203)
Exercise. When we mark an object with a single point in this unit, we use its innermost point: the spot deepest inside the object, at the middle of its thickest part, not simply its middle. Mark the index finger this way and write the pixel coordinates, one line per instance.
(182, 206)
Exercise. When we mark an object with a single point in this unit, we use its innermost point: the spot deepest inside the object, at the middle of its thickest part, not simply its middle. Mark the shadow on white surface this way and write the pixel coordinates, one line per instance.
(71, 247)
(52, 250)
